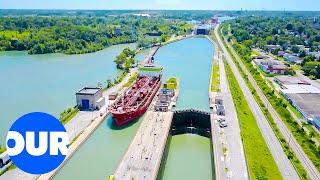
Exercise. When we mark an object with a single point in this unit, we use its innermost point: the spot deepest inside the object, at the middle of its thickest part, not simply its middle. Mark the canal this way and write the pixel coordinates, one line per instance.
(189, 156)
(48, 82)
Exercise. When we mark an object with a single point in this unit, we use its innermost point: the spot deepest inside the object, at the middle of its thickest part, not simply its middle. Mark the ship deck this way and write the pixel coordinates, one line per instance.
(131, 99)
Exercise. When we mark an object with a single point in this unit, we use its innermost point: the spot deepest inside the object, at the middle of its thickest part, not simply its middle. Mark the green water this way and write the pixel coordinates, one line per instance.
(189, 156)
(190, 61)
(98, 157)
(48, 82)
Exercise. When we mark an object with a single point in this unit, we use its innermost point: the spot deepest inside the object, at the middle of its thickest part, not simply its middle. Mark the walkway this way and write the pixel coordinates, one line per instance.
(143, 157)
(229, 137)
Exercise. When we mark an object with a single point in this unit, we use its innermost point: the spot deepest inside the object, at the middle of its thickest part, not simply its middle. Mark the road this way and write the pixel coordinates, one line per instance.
(231, 152)
(283, 163)
(229, 157)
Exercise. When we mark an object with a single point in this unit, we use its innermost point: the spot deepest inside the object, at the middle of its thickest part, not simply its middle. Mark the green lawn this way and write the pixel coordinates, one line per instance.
(259, 158)
(132, 79)
(2, 149)
(68, 114)
(215, 78)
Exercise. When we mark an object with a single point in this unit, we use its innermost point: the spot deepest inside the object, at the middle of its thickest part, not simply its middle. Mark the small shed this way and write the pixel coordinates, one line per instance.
(220, 110)
(218, 100)
(113, 96)
(90, 98)
(161, 107)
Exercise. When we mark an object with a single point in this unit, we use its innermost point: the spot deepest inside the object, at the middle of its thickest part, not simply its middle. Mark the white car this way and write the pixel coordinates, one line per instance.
(222, 122)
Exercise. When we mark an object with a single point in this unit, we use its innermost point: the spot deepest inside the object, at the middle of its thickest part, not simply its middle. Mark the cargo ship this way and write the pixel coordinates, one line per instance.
(135, 101)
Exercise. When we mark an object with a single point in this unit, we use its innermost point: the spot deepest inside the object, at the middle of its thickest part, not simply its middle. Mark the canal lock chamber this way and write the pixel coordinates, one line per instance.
(189, 121)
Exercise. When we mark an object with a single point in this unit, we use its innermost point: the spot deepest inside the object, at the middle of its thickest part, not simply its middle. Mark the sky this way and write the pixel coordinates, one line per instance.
(313, 5)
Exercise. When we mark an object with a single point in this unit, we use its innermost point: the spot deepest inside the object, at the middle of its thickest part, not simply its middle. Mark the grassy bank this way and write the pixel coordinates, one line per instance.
(68, 114)
(260, 161)
(215, 76)
(2, 149)
(280, 105)
(131, 80)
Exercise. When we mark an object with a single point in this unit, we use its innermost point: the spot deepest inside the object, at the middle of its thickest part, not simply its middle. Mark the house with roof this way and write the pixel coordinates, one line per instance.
(271, 66)
(291, 58)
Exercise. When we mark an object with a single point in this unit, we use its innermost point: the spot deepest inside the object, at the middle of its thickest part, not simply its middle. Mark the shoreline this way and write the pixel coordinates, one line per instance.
(81, 137)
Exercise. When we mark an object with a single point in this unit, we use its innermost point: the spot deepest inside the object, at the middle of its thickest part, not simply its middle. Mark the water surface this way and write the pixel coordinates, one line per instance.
(48, 82)
(190, 60)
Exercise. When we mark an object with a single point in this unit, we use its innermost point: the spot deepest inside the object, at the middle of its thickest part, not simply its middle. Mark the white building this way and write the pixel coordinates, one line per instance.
(90, 98)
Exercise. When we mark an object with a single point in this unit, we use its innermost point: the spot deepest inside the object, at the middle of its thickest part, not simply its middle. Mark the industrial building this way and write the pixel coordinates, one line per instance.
(303, 96)
(271, 66)
(287, 80)
(308, 105)
(202, 30)
(90, 98)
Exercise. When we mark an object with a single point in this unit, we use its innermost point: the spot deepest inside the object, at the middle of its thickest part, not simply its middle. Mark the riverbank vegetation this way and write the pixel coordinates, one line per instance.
(131, 80)
(278, 102)
(125, 60)
(82, 34)
(68, 114)
(261, 164)
(298, 37)
(215, 78)
(2, 149)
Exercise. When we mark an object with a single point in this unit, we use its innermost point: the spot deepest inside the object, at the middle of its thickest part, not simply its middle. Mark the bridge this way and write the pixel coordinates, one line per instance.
(145, 157)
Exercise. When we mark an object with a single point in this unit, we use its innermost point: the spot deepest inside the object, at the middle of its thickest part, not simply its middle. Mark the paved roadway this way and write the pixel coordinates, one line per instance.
(283, 163)
(308, 165)
(229, 137)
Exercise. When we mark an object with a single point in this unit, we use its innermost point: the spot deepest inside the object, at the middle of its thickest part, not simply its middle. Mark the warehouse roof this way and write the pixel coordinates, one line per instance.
(308, 103)
(89, 90)
(299, 89)
(290, 80)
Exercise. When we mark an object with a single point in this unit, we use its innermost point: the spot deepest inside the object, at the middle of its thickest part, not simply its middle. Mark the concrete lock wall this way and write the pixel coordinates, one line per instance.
(191, 121)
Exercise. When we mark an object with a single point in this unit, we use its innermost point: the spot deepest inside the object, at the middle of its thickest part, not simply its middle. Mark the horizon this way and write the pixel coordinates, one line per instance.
(211, 5)
(62, 9)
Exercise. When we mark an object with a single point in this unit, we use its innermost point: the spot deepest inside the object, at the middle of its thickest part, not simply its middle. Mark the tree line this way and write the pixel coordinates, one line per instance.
(81, 34)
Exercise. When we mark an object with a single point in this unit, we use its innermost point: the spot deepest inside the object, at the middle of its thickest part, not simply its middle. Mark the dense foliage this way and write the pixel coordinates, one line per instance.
(125, 60)
(76, 35)
(287, 33)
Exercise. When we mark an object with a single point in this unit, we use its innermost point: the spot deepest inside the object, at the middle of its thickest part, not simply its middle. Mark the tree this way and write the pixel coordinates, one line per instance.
(295, 49)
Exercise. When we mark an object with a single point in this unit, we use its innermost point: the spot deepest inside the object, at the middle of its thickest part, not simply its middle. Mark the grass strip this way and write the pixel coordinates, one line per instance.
(215, 83)
(260, 160)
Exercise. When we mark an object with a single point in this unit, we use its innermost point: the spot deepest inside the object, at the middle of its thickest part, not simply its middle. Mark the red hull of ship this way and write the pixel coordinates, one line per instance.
(122, 119)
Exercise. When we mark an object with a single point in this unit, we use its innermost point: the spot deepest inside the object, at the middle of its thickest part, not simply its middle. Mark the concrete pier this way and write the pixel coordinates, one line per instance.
(143, 157)
(151, 54)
